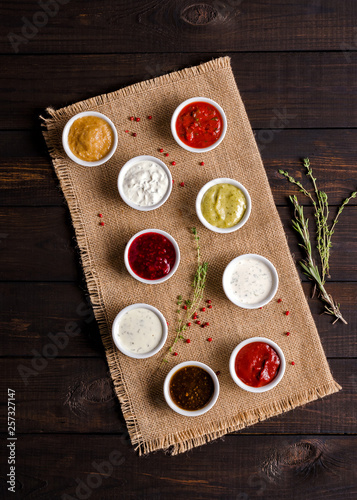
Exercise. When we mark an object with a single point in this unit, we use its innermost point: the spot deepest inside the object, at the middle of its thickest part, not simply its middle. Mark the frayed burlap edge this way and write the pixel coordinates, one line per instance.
(181, 441)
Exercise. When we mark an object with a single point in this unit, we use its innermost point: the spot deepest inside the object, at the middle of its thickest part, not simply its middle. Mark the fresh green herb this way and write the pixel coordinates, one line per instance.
(191, 305)
(324, 232)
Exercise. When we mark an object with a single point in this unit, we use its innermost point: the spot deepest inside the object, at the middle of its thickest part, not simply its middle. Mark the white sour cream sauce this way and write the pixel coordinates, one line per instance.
(145, 183)
(251, 281)
(140, 330)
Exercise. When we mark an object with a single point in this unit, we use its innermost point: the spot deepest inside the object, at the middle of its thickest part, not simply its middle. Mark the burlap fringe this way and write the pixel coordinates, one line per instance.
(181, 441)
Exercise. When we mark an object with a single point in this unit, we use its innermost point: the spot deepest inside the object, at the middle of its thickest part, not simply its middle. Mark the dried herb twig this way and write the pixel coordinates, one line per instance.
(324, 234)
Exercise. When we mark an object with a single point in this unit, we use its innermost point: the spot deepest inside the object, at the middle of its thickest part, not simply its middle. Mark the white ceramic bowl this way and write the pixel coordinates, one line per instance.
(74, 157)
(134, 354)
(274, 382)
(123, 172)
(275, 281)
(174, 406)
(164, 278)
(178, 111)
(223, 230)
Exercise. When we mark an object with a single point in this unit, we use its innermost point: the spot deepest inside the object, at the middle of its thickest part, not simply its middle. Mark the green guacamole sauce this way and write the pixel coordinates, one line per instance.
(223, 205)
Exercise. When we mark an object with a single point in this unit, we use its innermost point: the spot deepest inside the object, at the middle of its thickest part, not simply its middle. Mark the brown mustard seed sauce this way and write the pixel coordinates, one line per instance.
(191, 388)
(90, 138)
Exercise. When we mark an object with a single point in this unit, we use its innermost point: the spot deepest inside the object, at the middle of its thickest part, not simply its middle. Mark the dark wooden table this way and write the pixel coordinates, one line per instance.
(295, 64)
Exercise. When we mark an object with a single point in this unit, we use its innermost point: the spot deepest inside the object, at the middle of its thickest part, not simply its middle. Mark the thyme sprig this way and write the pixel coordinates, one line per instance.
(324, 233)
(192, 305)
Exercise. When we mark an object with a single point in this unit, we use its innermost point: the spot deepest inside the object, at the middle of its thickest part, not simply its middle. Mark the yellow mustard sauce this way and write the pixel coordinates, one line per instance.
(223, 205)
(90, 138)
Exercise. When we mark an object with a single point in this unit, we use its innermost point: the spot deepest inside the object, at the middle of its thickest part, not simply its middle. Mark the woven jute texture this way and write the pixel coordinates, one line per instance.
(152, 425)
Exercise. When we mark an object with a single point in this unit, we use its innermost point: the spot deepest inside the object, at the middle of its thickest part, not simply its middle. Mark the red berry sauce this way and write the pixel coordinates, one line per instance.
(151, 256)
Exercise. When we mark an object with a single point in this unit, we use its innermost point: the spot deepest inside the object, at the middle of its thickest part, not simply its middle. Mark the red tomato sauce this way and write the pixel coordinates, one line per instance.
(257, 364)
(151, 256)
(199, 125)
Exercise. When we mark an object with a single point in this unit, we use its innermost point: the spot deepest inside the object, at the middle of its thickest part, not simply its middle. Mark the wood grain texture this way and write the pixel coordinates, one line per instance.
(37, 244)
(33, 312)
(201, 26)
(27, 177)
(279, 90)
(238, 468)
(75, 395)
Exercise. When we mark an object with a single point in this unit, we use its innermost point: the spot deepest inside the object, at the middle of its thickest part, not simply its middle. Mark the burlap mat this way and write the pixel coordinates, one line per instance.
(138, 384)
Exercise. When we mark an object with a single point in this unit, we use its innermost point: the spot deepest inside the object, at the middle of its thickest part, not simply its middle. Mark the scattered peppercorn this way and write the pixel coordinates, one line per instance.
(188, 341)
(137, 119)
(173, 181)
(293, 363)
(185, 307)
(260, 308)
(167, 323)
(100, 215)
(202, 163)
(198, 322)
(161, 150)
(279, 300)
(149, 117)
(202, 326)
(166, 154)
(287, 333)
(218, 373)
(287, 313)
(209, 339)
(135, 134)
(209, 307)
(208, 301)
(203, 309)
(182, 184)
(101, 223)
(175, 353)
(127, 131)
(207, 324)
(131, 118)
(173, 163)
(188, 324)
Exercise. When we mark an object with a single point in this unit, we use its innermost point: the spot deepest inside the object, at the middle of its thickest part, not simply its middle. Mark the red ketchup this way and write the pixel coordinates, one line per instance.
(257, 364)
(199, 125)
(151, 256)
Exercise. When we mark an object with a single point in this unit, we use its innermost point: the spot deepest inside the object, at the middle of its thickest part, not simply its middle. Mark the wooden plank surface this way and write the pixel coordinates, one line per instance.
(27, 176)
(295, 64)
(33, 311)
(75, 395)
(279, 90)
(238, 468)
(37, 244)
(170, 26)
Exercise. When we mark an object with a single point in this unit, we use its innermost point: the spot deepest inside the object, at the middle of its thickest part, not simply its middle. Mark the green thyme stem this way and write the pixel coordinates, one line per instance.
(192, 306)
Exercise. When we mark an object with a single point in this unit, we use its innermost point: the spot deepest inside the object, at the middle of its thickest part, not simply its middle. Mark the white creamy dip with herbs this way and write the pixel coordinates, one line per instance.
(145, 183)
(250, 281)
(140, 330)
